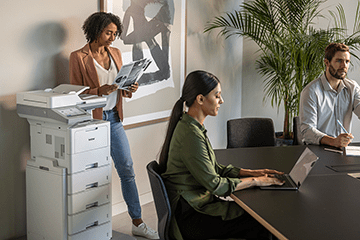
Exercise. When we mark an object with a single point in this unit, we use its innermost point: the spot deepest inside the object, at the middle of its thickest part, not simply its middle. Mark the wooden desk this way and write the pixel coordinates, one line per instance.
(325, 207)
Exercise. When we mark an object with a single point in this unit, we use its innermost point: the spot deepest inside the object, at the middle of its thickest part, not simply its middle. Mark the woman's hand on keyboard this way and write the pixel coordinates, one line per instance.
(258, 173)
(267, 181)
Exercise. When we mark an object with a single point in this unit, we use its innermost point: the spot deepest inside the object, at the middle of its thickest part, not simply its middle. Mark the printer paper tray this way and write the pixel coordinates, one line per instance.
(89, 199)
(89, 219)
(89, 179)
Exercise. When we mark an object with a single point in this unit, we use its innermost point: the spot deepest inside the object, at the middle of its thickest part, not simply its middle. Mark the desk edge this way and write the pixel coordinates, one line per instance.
(258, 218)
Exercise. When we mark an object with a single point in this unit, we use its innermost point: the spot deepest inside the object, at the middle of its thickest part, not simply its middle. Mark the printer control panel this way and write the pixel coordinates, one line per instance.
(71, 111)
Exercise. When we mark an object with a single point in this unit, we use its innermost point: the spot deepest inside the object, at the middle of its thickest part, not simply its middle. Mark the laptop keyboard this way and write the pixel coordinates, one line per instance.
(283, 177)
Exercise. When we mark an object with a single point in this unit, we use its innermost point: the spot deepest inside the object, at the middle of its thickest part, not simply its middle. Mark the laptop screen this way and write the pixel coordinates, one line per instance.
(303, 166)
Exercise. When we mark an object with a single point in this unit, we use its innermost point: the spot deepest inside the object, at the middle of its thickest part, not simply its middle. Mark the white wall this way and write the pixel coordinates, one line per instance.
(220, 57)
(353, 73)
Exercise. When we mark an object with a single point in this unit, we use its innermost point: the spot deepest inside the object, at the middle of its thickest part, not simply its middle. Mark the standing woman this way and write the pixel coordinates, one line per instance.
(192, 176)
(96, 65)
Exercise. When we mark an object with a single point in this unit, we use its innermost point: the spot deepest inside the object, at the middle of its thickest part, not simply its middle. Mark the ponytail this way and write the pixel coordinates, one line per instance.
(175, 117)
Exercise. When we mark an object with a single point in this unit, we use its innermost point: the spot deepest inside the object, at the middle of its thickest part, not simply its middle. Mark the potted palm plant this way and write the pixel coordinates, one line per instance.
(291, 48)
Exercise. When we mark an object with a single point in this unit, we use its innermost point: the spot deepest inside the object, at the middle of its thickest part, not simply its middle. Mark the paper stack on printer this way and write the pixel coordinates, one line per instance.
(131, 73)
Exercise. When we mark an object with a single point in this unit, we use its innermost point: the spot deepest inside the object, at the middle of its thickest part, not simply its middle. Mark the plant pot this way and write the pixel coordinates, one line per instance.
(281, 141)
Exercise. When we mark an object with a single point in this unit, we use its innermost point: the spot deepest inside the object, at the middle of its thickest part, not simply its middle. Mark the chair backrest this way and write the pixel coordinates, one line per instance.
(298, 140)
(250, 132)
(161, 200)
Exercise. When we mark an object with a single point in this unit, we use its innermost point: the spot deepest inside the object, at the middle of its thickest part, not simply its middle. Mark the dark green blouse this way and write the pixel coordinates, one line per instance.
(193, 173)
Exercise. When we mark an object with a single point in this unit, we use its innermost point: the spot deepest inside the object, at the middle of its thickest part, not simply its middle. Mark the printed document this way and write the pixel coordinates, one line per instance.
(352, 151)
(131, 73)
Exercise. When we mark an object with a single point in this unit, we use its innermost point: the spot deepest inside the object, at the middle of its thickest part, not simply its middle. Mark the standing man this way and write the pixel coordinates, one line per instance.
(327, 103)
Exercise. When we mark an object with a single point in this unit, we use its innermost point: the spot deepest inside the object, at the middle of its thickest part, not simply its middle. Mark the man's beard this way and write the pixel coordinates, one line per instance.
(335, 73)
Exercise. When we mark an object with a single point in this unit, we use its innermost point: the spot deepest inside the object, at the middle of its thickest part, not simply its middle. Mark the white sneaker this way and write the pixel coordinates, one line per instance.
(144, 231)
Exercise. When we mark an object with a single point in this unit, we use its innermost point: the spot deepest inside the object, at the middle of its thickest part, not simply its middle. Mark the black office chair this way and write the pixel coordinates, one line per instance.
(298, 140)
(161, 200)
(250, 132)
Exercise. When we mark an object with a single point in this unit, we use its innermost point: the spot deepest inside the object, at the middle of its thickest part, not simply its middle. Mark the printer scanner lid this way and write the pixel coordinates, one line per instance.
(61, 96)
(69, 89)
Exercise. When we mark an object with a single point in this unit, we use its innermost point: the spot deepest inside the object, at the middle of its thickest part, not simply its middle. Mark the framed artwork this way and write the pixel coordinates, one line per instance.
(153, 29)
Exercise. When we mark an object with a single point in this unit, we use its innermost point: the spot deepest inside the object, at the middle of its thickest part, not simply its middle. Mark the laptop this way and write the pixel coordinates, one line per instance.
(298, 173)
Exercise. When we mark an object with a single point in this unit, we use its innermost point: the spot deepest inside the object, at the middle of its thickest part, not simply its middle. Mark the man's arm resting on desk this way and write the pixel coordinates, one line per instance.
(314, 136)
(342, 140)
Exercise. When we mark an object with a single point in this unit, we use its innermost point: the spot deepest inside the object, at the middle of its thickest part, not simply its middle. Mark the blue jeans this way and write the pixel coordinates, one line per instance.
(120, 153)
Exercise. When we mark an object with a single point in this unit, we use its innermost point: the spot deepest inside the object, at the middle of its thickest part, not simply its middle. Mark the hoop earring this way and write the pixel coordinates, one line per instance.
(185, 108)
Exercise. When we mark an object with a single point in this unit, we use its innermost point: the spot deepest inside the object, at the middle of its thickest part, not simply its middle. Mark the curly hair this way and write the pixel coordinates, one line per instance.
(332, 48)
(97, 22)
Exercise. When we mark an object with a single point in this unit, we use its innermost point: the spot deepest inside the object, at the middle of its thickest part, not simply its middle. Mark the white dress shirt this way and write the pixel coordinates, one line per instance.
(321, 106)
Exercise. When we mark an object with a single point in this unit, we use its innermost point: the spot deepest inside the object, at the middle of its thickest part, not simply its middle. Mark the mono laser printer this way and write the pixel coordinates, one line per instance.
(68, 178)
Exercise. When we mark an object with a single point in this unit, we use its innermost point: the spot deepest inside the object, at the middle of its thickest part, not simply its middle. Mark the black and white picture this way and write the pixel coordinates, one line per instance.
(155, 30)
(144, 21)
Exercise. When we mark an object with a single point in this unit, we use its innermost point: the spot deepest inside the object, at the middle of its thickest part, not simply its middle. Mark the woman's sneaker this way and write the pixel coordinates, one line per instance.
(144, 231)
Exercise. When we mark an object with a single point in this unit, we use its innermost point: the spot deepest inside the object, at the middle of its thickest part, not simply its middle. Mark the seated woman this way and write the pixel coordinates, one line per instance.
(194, 179)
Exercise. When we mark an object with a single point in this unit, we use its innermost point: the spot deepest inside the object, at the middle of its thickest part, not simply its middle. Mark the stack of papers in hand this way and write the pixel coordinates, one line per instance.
(352, 151)
(131, 73)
